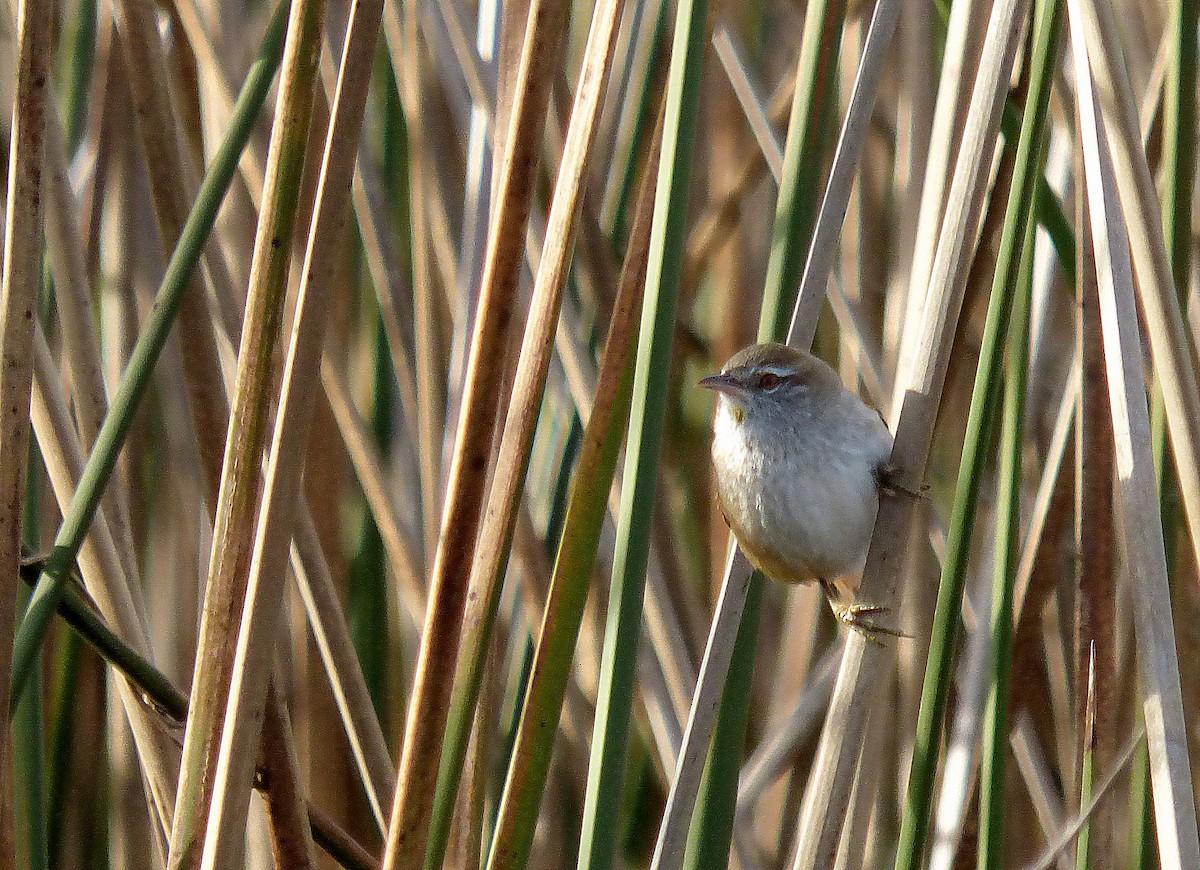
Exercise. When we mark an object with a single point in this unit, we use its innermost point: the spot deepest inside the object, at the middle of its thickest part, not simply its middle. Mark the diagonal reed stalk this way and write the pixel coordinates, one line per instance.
(1172, 349)
(984, 402)
(171, 704)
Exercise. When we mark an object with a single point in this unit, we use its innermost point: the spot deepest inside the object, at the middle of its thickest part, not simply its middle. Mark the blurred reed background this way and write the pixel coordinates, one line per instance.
(349, 355)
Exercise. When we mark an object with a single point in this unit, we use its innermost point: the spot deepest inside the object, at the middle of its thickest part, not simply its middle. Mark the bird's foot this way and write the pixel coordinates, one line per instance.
(859, 617)
(888, 475)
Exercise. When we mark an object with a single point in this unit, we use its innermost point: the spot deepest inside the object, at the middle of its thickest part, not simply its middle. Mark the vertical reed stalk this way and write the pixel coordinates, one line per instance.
(425, 728)
(201, 825)
(20, 279)
(606, 774)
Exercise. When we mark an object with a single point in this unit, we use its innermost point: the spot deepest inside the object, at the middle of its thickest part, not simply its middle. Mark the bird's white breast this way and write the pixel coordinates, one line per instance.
(801, 500)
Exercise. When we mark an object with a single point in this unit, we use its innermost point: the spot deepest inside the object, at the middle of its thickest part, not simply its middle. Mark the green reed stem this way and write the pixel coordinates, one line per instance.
(623, 631)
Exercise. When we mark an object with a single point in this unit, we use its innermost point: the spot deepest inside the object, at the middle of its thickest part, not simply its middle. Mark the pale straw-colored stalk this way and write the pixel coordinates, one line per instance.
(828, 790)
(1138, 523)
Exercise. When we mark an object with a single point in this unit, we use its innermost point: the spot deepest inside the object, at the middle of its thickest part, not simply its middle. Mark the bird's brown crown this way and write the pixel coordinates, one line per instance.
(783, 361)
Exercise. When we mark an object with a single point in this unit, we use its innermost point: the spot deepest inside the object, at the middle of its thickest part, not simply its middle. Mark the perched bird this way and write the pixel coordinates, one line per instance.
(799, 463)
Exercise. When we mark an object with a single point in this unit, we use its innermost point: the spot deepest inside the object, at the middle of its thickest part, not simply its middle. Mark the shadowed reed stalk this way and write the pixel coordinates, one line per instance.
(1178, 172)
(1096, 610)
(430, 398)
(69, 659)
(1178, 169)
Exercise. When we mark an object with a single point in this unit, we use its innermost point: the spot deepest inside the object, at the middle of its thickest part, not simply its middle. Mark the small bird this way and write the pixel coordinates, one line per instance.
(799, 463)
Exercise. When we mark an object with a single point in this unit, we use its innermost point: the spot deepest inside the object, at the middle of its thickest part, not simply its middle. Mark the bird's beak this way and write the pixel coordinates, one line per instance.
(724, 383)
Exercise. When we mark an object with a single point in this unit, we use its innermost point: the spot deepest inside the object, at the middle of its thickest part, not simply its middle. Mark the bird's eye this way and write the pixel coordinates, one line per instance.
(768, 381)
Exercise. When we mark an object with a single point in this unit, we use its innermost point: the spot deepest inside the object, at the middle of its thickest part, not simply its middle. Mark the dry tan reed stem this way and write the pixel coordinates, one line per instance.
(1094, 669)
(202, 827)
(287, 810)
(386, 273)
(1139, 523)
(73, 302)
(218, 93)
(100, 566)
(146, 70)
(1172, 352)
(424, 730)
(430, 383)
(756, 113)
(663, 623)
(1039, 511)
(948, 116)
(369, 468)
(280, 502)
(816, 287)
(1045, 793)
(846, 162)
(21, 280)
(346, 680)
(674, 673)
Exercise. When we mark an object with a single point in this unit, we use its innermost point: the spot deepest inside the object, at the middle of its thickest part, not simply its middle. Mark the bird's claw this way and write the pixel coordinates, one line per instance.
(858, 618)
(889, 484)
